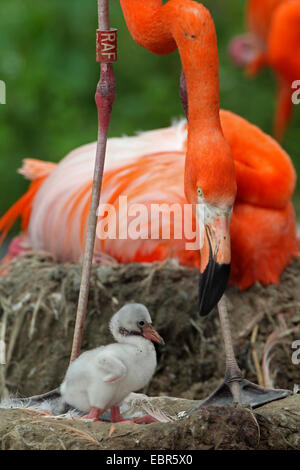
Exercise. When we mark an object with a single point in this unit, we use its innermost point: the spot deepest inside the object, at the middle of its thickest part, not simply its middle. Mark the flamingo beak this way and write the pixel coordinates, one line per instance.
(215, 262)
(241, 51)
(247, 51)
(150, 333)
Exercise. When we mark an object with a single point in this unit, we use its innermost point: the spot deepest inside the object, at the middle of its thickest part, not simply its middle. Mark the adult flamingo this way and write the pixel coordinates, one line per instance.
(58, 218)
(273, 40)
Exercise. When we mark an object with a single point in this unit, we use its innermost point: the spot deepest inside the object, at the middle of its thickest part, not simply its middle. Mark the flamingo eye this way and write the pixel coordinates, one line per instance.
(199, 191)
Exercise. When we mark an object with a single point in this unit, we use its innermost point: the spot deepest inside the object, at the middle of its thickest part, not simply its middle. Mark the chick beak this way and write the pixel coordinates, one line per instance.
(150, 333)
(215, 262)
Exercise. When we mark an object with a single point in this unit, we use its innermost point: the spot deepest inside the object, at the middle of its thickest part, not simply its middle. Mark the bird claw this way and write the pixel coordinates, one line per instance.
(241, 391)
(94, 420)
(147, 419)
(93, 414)
(127, 421)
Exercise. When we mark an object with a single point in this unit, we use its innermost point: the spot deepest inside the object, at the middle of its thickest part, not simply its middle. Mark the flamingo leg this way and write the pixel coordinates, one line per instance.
(105, 94)
(284, 108)
(235, 389)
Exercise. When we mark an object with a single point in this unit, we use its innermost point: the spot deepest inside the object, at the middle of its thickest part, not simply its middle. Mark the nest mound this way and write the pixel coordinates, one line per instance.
(38, 300)
(273, 426)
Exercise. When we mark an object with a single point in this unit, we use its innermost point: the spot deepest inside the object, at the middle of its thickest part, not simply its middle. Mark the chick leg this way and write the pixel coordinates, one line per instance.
(94, 414)
(116, 417)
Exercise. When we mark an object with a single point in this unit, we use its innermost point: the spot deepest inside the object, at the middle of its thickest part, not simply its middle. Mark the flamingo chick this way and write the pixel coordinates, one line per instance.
(101, 378)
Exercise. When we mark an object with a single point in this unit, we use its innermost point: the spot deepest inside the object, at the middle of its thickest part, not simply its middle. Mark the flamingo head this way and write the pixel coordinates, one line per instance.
(210, 185)
(248, 51)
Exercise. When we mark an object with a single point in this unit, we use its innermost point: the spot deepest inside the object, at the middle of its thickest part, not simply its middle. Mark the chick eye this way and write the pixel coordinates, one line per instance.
(141, 323)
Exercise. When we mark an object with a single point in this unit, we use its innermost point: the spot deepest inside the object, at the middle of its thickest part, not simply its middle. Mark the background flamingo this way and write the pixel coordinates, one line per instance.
(272, 40)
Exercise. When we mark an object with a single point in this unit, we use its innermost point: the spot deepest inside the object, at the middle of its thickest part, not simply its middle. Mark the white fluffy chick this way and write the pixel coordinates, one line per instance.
(101, 378)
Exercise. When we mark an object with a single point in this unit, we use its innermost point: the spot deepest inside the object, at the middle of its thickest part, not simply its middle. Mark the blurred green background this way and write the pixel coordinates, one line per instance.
(48, 63)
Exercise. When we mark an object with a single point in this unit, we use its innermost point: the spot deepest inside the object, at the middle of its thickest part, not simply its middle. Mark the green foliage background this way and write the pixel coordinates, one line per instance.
(47, 60)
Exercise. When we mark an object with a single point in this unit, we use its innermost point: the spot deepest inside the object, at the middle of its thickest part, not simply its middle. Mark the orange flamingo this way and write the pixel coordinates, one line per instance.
(54, 209)
(150, 168)
(273, 40)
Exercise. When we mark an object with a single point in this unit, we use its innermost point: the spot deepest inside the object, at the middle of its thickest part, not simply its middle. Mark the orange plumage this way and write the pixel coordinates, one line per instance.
(262, 228)
(259, 16)
(274, 27)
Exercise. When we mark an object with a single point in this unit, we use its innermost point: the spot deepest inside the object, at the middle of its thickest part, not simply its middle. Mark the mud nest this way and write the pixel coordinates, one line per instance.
(38, 300)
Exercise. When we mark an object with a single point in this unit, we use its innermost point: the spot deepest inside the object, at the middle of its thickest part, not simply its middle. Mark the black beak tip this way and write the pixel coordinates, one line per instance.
(212, 284)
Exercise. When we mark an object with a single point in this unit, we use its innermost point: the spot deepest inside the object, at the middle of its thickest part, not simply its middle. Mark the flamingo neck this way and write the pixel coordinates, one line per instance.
(194, 32)
(147, 26)
(187, 25)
